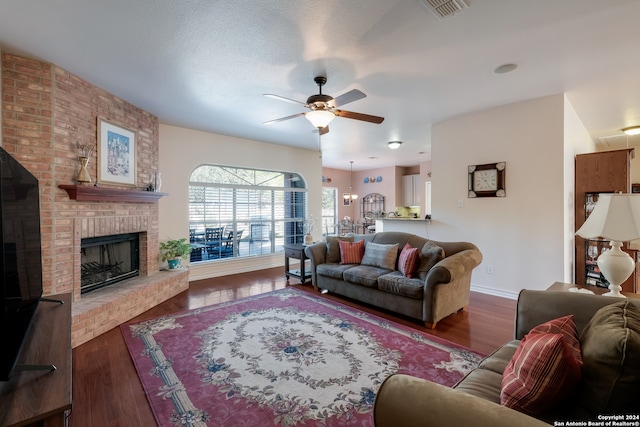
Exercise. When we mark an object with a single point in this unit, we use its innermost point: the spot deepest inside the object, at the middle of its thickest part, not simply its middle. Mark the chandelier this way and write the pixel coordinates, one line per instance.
(350, 196)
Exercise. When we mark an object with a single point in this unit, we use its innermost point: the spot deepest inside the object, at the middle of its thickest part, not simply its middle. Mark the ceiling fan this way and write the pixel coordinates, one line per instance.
(323, 108)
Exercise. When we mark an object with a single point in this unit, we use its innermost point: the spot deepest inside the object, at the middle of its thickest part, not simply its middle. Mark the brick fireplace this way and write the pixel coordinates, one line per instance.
(101, 310)
(46, 112)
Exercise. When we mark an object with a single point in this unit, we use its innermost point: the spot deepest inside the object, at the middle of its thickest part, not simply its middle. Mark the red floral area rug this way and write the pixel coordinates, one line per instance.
(284, 358)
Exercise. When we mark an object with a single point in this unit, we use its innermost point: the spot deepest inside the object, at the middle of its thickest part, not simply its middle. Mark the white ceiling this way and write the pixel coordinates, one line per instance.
(206, 64)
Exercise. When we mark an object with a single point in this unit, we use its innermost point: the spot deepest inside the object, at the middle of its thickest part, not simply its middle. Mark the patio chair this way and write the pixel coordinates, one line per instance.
(228, 244)
(212, 241)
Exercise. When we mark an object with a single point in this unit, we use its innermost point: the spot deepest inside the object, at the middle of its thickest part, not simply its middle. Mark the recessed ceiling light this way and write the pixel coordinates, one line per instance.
(631, 130)
(394, 144)
(505, 68)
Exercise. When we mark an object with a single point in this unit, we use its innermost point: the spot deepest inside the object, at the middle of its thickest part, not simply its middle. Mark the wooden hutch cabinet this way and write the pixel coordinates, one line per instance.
(601, 172)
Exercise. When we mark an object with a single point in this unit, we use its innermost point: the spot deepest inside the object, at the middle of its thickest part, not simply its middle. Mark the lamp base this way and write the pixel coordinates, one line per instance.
(614, 291)
(616, 266)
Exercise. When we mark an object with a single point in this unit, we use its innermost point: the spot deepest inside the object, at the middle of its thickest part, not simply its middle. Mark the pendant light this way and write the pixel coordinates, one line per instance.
(350, 196)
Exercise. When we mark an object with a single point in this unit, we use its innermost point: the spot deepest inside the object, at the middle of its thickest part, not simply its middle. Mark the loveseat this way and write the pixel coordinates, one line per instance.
(609, 385)
(439, 286)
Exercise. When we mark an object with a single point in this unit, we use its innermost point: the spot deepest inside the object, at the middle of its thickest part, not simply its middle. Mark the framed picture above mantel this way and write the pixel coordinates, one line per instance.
(116, 154)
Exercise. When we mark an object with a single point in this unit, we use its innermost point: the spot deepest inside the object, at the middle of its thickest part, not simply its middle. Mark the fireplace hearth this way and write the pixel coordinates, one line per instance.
(107, 260)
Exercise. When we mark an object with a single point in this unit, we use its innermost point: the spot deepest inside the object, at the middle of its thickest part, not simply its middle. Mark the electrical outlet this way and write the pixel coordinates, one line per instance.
(460, 203)
(490, 269)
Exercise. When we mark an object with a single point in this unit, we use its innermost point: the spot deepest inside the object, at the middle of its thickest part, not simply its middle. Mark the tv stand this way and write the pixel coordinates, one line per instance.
(42, 397)
(58, 301)
(20, 368)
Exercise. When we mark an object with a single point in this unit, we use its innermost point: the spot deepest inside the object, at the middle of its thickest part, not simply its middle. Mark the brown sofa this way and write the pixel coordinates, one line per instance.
(610, 383)
(438, 291)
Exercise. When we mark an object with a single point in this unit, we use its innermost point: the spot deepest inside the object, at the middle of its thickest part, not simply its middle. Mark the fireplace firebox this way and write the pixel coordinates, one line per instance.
(107, 260)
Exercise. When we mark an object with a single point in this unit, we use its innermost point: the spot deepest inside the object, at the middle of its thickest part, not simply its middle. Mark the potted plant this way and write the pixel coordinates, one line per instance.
(174, 251)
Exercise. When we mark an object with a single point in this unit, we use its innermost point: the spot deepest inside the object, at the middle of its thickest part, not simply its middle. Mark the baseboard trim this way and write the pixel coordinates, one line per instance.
(495, 292)
(207, 270)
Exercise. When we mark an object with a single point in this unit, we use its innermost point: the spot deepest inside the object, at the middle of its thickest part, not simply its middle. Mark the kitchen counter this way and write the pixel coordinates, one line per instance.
(408, 225)
(400, 218)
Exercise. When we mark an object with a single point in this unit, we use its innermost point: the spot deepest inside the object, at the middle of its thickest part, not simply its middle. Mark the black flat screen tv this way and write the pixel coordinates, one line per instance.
(20, 258)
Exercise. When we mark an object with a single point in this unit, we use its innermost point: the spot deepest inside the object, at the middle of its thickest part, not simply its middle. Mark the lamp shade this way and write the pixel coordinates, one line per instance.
(615, 217)
(320, 118)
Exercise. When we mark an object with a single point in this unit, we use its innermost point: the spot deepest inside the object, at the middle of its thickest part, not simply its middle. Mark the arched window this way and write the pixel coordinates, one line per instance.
(243, 212)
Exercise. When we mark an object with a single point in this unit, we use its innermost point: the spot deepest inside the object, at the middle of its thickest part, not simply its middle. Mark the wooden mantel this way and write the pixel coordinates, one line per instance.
(104, 194)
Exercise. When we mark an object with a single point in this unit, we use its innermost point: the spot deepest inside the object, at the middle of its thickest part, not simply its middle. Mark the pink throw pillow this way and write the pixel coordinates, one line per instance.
(408, 261)
(566, 326)
(351, 252)
(545, 369)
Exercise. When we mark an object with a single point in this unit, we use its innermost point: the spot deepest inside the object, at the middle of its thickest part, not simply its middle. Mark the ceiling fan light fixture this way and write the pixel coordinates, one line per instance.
(320, 118)
(394, 145)
(631, 130)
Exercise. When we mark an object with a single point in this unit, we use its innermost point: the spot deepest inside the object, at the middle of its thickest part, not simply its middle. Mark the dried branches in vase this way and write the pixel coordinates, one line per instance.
(84, 152)
(307, 227)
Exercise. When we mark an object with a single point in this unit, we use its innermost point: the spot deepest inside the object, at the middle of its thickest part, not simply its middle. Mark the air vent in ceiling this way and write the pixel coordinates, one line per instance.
(444, 8)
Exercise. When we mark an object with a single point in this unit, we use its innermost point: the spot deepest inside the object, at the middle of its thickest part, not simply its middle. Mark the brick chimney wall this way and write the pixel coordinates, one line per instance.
(46, 112)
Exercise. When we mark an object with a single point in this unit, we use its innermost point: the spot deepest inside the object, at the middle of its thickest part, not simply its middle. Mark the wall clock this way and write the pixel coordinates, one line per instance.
(487, 180)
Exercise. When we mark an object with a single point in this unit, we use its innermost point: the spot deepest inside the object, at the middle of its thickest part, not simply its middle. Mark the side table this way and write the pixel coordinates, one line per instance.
(561, 286)
(296, 251)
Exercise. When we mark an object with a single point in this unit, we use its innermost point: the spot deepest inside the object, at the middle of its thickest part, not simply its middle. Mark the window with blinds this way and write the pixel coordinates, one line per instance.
(242, 212)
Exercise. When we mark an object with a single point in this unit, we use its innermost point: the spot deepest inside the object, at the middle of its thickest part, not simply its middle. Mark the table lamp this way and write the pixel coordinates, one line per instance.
(616, 218)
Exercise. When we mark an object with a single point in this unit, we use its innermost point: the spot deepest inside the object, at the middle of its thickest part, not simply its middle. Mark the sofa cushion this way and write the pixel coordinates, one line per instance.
(611, 351)
(482, 383)
(544, 370)
(396, 283)
(365, 275)
(383, 256)
(430, 255)
(332, 270)
(500, 358)
(351, 252)
(333, 248)
(408, 261)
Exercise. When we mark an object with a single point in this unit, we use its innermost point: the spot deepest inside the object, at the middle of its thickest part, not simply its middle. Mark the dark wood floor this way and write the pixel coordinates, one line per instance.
(106, 389)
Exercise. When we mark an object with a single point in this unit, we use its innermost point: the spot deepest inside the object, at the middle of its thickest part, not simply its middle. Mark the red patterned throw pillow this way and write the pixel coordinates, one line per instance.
(351, 252)
(408, 261)
(566, 326)
(545, 369)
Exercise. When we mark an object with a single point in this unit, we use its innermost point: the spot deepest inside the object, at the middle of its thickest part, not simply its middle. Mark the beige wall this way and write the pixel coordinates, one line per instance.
(577, 141)
(524, 236)
(340, 181)
(182, 150)
(527, 236)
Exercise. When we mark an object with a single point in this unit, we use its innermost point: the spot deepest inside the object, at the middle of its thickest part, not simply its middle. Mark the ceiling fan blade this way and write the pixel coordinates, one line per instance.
(282, 98)
(281, 119)
(347, 97)
(358, 116)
